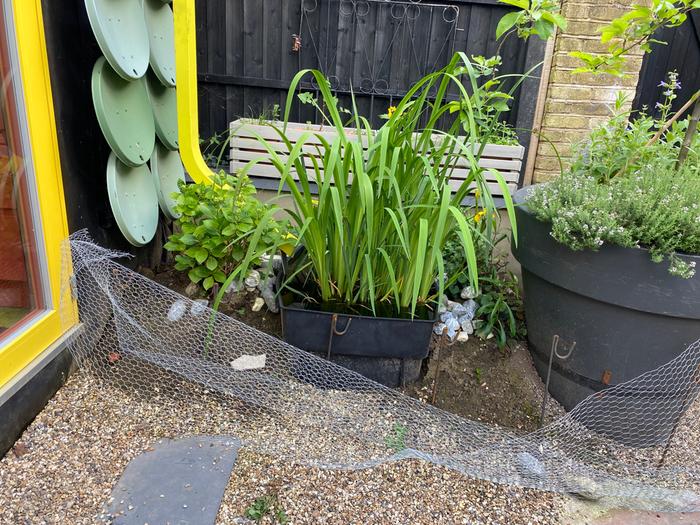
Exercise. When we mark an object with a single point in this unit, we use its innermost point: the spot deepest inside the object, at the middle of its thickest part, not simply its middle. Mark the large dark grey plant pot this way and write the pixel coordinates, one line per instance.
(626, 314)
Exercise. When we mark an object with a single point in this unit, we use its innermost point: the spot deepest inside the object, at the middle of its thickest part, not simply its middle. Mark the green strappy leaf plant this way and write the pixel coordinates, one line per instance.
(373, 209)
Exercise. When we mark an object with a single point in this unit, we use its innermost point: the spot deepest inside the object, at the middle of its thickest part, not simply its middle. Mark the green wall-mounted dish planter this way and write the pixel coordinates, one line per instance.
(124, 113)
(134, 200)
(164, 103)
(122, 34)
(167, 171)
(161, 30)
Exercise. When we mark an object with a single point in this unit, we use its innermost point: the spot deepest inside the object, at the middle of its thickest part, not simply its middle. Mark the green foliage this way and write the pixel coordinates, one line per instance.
(374, 232)
(534, 17)
(478, 374)
(267, 505)
(397, 440)
(214, 148)
(621, 145)
(625, 189)
(223, 230)
(488, 102)
(634, 29)
(500, 311)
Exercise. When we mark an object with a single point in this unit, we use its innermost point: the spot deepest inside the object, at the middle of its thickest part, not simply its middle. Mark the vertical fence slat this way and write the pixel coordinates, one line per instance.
(382, 45)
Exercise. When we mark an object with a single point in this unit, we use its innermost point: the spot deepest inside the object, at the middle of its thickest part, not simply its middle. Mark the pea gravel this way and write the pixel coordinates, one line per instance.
(63, 467)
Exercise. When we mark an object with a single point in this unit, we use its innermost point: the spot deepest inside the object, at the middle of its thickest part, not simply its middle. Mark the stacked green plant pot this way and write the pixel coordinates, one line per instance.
(136, 107)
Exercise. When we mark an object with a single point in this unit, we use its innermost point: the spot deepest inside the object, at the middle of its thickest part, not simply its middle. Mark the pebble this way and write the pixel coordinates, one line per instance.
(81, 442)
(177, 310)
(253, 279)
(192, 290)
(199, 306)
(452, 327)
(466, 325)
(267, 292)
(468, 292)
(471, 307)
(258, 304)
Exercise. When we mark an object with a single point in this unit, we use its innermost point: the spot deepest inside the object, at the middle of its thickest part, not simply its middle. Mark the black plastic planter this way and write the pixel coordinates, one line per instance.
(626, 314)
(387, 350)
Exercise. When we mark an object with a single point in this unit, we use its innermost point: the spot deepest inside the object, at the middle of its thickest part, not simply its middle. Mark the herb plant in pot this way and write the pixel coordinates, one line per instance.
(373, 210)
(609, 254)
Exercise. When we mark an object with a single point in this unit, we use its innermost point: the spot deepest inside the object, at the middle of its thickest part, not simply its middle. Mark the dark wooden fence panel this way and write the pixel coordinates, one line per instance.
(376, 48)
(682, 54)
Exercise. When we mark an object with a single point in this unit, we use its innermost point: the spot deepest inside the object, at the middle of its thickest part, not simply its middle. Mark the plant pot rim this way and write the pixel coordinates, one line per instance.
(291, 307)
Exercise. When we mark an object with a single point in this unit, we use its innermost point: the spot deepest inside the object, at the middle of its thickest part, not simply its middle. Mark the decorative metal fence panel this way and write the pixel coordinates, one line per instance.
(249, 50)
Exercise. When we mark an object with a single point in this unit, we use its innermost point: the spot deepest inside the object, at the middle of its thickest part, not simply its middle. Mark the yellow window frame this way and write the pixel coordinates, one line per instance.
(17, 354)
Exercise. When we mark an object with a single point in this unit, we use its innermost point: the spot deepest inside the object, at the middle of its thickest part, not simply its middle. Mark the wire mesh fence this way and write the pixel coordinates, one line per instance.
(636, 444)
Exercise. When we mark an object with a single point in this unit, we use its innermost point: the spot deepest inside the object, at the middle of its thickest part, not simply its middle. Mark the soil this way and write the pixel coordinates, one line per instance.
(236, 305)
(476, 380)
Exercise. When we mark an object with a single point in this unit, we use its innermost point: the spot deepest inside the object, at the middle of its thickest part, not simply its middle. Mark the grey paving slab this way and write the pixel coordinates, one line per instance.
(177, 482)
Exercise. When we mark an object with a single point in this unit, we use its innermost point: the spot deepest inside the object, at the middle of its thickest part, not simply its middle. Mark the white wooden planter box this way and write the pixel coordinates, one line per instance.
(507, 160)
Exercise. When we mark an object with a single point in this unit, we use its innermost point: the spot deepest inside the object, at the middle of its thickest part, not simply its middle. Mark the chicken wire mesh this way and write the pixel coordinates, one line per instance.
(635, 444)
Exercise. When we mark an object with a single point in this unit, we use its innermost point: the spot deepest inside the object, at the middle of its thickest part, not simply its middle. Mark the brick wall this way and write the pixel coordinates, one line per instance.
(576, 102)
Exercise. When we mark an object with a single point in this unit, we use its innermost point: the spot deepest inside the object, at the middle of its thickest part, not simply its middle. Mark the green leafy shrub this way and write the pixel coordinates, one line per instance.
(223, 229)
(374, 231)
(655, 208)
(500, 311)
(626, 189)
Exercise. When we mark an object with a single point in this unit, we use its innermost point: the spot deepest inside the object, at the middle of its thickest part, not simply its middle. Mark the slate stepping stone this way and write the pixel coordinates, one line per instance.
(177, 482)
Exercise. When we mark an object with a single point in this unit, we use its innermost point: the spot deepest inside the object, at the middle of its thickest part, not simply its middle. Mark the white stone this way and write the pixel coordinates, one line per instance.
(270, 298)
(439, 328)
(466, 325)
(258, 304)
(459, 310)
(470, 307)
(531, 465)
(234, 287)
(253, 279)
(462, 337)
(452, 328)
(451, 305)
(177, 310)
(468, 293)
(199, 307)
(249, 362)
(444, 316)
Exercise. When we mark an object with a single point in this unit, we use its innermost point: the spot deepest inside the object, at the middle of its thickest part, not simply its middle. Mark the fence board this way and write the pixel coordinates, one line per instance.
(377, 48)
(681, 53)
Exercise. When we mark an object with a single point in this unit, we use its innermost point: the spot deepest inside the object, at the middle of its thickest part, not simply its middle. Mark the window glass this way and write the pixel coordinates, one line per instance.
(20, 283)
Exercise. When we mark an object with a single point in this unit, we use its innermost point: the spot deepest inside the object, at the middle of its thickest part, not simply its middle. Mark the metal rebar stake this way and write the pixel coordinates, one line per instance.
(552, 353)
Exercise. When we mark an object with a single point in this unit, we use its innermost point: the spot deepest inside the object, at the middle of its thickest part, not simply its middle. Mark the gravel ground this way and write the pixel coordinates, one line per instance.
(63, 467)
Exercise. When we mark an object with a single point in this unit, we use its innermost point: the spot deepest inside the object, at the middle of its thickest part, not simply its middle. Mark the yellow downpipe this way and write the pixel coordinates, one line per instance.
(186, 80)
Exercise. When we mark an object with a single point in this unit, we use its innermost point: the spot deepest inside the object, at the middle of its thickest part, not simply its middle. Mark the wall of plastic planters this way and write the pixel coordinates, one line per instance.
(134, 97)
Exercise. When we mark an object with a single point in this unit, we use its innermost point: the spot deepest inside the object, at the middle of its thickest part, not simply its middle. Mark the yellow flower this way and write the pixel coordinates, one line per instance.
(390, 111)
(477, 194)
(479, 216)
(289, 243)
